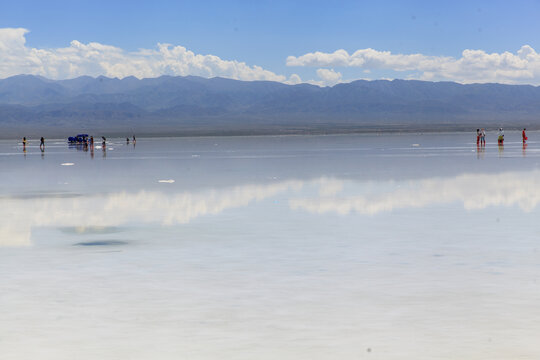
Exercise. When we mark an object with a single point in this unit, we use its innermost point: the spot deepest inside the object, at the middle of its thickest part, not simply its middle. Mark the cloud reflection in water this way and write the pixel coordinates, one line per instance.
(18, 216)
(474, 191)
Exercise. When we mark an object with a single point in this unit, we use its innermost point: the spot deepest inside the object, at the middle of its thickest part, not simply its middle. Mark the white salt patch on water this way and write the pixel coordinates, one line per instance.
(415, 145)
(169, 181)
(67, 164)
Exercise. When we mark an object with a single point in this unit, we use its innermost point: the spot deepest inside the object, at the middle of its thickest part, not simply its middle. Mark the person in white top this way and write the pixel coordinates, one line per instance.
(501, 136)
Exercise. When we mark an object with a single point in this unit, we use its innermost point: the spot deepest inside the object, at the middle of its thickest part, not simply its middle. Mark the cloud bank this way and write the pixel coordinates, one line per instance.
(474, 66)
(96, 59)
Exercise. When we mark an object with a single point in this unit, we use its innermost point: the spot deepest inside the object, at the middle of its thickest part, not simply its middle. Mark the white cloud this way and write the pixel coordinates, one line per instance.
(96, 59)
(294, 79)
(329, 77)
(523, 67)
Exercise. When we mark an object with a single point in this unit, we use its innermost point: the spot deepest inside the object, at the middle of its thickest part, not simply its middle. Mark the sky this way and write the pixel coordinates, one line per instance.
(318, 42)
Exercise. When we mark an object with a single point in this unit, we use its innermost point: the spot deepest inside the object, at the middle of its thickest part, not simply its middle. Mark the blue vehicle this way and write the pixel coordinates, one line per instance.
(79, 139)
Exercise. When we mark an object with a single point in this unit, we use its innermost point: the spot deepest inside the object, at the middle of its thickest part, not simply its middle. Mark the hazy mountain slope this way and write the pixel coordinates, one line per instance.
(173, 105)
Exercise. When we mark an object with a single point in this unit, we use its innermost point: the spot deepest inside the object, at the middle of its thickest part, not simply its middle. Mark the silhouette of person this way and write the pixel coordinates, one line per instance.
(42, 143)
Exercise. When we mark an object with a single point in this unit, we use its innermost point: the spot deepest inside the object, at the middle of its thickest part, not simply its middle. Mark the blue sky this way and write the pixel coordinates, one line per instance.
(265, 33)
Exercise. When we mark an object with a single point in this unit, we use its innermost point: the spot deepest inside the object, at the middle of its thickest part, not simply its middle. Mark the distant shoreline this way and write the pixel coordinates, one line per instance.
(50, 133)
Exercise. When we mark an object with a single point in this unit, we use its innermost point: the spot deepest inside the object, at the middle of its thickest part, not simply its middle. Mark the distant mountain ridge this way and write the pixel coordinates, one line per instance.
(193, 105)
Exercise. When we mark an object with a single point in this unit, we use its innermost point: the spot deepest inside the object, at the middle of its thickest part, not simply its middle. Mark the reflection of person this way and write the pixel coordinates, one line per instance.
(523, 135)
(480, 150)
(500, 137)
(483, 137)
(477, 136)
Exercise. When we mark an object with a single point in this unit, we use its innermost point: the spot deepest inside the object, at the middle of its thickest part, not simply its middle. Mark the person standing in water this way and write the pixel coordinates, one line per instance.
(483, 137)
(500, 137)
(42, 143)
(477, 137)
(127, 141)
(524, 136)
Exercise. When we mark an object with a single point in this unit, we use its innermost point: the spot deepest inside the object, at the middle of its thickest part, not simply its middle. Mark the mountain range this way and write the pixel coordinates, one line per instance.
(32, 106)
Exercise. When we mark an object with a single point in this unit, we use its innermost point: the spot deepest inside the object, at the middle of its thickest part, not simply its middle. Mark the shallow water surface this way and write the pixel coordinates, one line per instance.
(315, 247)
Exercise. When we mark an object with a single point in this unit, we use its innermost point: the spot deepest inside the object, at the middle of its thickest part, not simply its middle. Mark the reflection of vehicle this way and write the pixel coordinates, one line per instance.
(79, 139)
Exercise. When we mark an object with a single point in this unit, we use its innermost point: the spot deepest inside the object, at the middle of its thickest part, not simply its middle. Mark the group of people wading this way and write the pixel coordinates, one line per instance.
(481, 137)
(85, 142)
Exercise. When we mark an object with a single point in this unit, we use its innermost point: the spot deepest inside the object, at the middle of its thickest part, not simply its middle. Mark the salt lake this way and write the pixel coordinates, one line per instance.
(395, 246)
